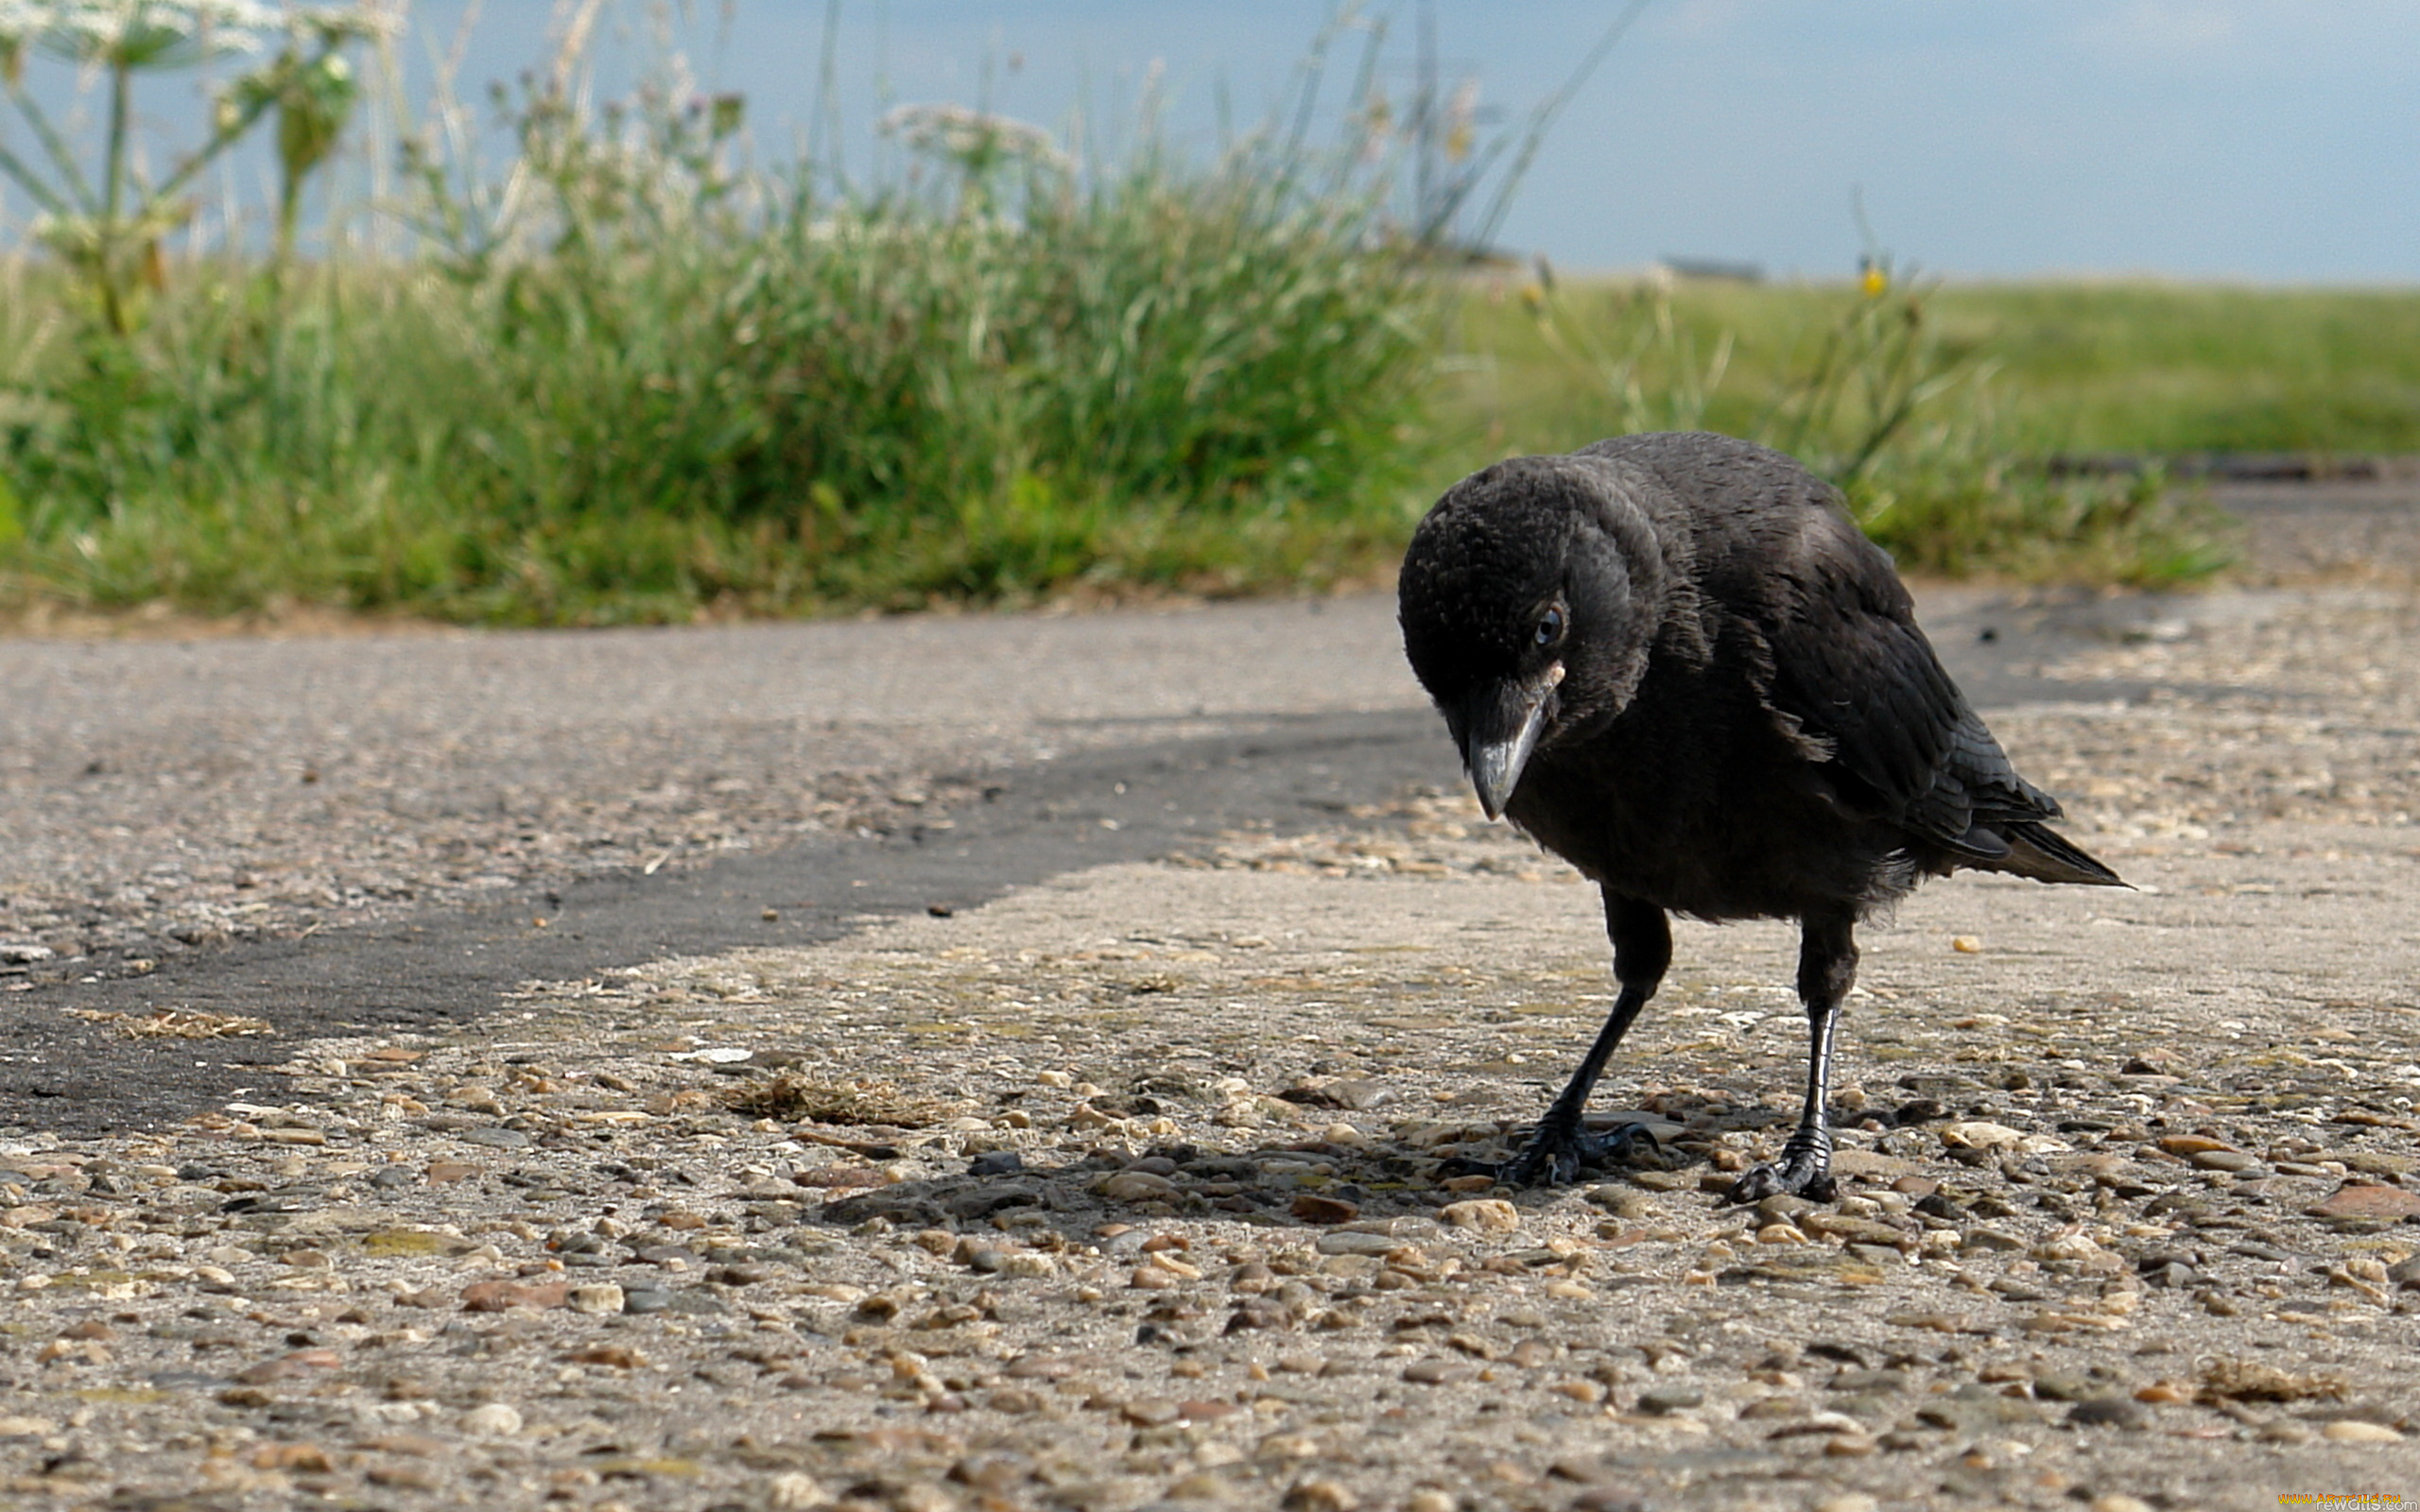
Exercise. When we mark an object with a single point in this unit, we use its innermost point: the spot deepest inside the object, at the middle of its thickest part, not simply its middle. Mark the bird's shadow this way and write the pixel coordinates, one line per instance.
(1298, 1189)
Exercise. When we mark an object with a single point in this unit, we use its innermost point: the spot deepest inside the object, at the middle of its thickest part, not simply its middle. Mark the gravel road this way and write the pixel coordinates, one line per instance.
(970, 1063)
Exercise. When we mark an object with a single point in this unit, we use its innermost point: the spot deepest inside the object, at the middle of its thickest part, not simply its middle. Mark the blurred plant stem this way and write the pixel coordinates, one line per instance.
(1638, 357)
(111, 233)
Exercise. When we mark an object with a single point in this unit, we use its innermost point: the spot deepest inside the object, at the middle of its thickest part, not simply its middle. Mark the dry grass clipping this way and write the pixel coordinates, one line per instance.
(2245, 1381)
(176, 1023)
(859, 1104)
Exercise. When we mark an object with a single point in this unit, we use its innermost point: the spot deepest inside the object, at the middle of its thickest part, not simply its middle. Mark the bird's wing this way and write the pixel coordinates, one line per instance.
(1853, 677)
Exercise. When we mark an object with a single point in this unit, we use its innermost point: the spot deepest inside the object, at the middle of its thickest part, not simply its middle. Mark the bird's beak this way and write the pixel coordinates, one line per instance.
(1504, 720)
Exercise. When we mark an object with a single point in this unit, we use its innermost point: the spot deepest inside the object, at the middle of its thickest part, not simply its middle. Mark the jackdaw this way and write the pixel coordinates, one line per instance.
(1676, 662)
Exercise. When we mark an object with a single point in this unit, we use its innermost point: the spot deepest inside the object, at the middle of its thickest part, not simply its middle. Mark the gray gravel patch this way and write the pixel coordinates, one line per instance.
(1126, 1189)
(1117, 1181)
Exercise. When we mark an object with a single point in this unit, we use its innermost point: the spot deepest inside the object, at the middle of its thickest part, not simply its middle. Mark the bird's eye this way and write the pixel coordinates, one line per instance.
(1550, 627)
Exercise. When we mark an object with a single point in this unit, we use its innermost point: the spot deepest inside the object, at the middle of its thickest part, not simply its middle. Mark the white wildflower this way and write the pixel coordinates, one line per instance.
(343, 21)
(969, 135)
(140, 33)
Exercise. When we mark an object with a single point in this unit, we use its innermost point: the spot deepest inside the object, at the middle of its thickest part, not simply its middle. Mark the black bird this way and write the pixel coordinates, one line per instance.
(1676, 662)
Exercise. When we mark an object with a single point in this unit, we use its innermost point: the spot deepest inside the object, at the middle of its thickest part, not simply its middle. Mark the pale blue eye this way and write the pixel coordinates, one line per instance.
(1550, 627)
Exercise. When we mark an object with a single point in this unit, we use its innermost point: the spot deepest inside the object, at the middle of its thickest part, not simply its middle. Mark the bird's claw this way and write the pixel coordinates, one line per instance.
(1546, 1162)
(1556, 1153)
(1804, 1170)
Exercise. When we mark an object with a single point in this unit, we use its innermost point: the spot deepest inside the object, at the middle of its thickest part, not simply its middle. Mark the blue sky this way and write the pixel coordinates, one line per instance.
(2274, 140)
(2263, 139)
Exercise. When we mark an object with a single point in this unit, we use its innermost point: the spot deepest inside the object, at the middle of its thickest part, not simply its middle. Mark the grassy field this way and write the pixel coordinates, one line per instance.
(2079, 367)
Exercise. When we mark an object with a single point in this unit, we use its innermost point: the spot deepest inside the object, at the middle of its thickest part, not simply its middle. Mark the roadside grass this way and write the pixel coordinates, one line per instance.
(1172, 379)
(1172, 385)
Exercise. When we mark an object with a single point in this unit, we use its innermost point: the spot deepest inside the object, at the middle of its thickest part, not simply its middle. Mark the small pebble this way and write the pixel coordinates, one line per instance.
(495, 1419)
(1486, 1215)
(2052, 1385)
(796, 1491)
(1202, 1486)
(1320, 1495)
(2107, 1412)
(1438, 1372)
(2354, 1431)
(1135, 1186)
(1312, 1206)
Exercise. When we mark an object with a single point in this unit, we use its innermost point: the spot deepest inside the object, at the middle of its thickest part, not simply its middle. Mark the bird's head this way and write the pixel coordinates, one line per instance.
(1529, 601)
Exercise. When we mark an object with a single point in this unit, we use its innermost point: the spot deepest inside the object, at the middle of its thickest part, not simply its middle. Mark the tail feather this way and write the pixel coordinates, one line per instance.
(2039, 853)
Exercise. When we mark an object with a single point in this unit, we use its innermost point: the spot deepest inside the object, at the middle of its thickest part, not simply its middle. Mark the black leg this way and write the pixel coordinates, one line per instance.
(1827, 971)
(1642, 948)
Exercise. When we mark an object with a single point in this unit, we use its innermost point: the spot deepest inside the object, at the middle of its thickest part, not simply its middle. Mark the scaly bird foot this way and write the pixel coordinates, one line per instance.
(1556, 1153)
(1804, 1170)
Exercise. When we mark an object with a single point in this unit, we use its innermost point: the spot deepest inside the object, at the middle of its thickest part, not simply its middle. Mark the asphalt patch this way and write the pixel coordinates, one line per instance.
(439, 970)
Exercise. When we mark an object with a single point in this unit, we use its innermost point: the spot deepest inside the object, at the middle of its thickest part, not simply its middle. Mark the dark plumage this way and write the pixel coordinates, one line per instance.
(1676, 662)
